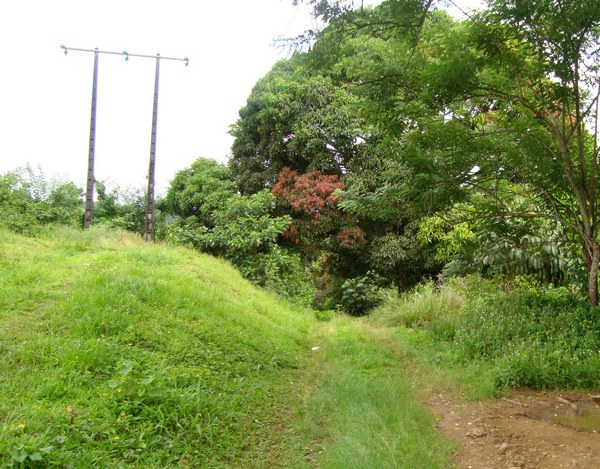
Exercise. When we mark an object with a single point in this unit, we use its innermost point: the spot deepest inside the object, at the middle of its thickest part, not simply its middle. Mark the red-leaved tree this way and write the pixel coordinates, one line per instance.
(317, 220)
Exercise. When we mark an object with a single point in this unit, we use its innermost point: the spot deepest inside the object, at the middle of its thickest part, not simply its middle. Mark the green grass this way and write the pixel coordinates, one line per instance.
(421, 307)
(361, 408)
(424, 324)
(117, 353)
(436, 368)
(484, 339)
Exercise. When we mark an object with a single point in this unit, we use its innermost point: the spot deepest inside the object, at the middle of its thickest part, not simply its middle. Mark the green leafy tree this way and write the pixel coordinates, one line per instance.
(510, 94)
(199, 191)
(293, 119)
(541, 62)
(246, 232)
(507, 246)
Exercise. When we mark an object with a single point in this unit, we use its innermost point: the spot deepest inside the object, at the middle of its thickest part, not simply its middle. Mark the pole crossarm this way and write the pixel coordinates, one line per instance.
(151, 168)
(126, 54)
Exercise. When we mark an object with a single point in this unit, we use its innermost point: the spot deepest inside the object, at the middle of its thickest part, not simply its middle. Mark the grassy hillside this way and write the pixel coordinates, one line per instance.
(117, 353)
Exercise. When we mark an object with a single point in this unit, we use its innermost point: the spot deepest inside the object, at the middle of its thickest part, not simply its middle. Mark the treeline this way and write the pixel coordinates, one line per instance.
(407, 145)
(403, 145)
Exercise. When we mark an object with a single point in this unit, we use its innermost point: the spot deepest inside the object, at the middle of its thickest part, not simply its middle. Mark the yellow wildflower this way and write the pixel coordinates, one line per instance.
(21, 426)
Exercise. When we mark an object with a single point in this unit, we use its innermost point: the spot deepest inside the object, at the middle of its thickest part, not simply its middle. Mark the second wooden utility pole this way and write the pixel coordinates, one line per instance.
(151, 166)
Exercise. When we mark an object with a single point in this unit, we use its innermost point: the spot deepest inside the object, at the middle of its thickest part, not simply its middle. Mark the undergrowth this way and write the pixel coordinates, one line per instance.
(495, 338)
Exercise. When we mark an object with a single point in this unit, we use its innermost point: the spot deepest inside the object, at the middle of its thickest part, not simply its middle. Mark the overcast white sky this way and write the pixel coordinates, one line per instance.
(45, 96)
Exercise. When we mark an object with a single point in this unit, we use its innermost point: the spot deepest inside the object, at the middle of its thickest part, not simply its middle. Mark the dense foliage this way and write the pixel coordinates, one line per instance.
(467, 143)
(28, 201)
(522, 336)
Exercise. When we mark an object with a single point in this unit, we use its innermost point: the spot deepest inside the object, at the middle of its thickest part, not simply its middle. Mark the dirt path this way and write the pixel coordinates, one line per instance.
(525, 430)
(522, 431)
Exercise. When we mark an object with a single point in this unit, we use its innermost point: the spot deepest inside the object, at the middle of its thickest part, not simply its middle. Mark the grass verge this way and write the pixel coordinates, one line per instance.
(494, 338)
(116, 353)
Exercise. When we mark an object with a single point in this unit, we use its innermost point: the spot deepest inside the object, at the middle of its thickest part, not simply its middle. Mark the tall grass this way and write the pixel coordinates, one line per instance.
(492, 338)
(421, 307)
(361, 408)
(117, 353)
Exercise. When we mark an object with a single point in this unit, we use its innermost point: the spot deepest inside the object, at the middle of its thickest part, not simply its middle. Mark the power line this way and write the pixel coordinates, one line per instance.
(126, 54)
(89, 199)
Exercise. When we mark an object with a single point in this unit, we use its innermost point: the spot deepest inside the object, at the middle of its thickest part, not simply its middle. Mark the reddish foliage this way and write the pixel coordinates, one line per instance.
(310, 193)
(352, 237)
(291, 233)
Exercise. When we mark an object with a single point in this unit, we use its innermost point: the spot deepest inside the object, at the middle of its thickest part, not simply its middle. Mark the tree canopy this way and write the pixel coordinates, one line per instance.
(417, 113)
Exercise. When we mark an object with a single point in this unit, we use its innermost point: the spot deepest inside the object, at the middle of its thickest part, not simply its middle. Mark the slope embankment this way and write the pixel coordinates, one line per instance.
(119, 353)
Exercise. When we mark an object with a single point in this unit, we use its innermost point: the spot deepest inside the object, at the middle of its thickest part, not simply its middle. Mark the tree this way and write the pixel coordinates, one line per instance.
(536, 79)
(293, 119)
(311, 201)
(197, 192)
(469, 241)
(510, 94)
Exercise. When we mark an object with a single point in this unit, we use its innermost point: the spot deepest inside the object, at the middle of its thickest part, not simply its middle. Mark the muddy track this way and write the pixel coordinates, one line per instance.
(524, 430)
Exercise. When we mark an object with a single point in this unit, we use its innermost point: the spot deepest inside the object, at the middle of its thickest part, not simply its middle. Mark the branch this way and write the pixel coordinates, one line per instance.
(556, 216)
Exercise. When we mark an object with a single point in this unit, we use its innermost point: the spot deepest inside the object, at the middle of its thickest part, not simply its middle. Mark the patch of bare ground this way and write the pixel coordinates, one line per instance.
(541, 430)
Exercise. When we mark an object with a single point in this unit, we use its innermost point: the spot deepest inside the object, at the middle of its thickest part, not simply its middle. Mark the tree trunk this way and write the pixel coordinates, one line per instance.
(592, 266)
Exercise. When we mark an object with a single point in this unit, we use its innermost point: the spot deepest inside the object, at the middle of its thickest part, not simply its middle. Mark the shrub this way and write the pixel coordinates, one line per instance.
(425, 305)
(535, 338)
(360, 295)
(524, 334)
(286, 276)
(28, 201)
(124, 209)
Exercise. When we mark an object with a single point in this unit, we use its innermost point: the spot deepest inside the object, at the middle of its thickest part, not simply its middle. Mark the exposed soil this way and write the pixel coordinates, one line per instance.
(524, 430)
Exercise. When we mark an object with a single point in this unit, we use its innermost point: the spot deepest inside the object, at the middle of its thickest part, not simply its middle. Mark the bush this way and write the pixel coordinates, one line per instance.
(360, 295)
(123, 209)
(28, 201)
(245, 233)
(535, 338)
(526, 336)
(286, 276)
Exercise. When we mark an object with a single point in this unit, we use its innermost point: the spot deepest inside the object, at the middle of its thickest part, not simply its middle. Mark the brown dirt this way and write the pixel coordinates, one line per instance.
(521, 431)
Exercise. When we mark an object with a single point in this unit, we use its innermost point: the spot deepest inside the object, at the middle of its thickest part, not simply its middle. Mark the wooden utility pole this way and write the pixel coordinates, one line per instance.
(89, 197)
(89, 191)
(151, 166)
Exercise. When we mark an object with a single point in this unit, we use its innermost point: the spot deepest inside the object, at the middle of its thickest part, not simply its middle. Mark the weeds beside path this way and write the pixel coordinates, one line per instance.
(369, 401)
